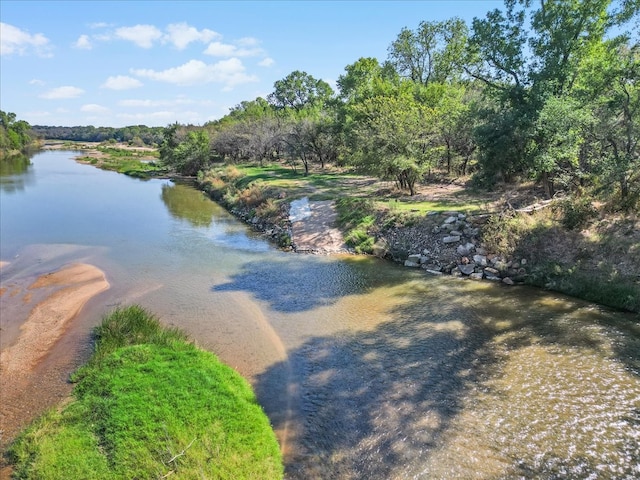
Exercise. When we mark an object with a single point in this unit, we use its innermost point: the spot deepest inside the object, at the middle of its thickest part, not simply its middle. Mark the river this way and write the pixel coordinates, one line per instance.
(366, 369)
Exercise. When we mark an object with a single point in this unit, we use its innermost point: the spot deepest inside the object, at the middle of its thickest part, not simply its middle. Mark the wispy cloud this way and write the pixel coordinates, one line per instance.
(139, 103)
(62, 93)
(83, 43)
(182, 34)
(36, 81)
(93, 108)
(142, 35)
(266, 62)
(229, 72)
(218, 49)
(121, 82)
(14, 40)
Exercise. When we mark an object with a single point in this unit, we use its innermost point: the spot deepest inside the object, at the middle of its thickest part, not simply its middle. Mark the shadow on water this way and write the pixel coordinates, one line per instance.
(302, 284)
(377, 404)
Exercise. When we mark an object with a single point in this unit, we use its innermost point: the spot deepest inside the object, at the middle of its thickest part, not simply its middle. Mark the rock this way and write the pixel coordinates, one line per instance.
(450, 219)
(493, 278)
(451, 239)
(435, 229)
(481, 251)
(451, 213)
(480, 259)
(431, 213)
(433, 272)
(407, 263)
(462, 216)
(455, 233)
(467, 269)
(491, 271)
(523, 261)
(414, 258)
(476, 276)
(381, 248)
(507, 281)
(462, 250)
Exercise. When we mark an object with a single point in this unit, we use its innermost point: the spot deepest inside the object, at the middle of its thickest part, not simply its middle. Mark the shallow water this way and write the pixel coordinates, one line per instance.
(366, 369)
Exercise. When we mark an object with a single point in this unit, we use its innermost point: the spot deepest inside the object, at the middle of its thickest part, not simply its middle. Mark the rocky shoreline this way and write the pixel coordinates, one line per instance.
(442, 243)
(450, 243)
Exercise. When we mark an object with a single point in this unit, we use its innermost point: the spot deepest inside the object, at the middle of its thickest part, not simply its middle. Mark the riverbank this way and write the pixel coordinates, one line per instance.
(150, 404)
(51, 302)
(511, 237)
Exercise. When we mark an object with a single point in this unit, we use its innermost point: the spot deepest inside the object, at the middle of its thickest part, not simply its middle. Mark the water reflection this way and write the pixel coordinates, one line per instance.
(16, 173)
(186, 203)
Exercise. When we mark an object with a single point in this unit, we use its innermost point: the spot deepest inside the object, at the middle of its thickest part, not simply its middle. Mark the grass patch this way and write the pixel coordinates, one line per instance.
(149, 404)
(356, 217)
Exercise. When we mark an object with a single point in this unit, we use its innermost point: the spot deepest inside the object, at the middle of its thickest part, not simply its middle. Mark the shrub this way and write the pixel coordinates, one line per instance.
(576, 212)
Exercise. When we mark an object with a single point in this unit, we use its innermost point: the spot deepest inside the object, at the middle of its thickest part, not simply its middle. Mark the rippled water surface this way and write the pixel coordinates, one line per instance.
(366, 369)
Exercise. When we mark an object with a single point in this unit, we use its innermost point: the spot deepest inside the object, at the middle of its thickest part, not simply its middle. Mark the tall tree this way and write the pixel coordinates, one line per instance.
(299, 90)
(431, 53)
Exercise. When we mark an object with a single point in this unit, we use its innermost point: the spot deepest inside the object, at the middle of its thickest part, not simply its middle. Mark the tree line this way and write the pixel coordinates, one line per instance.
(139, 135)
(544, 91)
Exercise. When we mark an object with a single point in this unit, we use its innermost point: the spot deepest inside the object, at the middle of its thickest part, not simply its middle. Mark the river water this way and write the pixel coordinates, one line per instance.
(367, 370)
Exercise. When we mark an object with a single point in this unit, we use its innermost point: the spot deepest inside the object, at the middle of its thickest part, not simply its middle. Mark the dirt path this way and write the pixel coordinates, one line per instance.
(314, 227)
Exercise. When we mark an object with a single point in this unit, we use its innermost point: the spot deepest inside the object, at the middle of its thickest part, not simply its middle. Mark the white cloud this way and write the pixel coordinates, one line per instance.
(121, 82)
(62, 92)
(154, 103)
(83, 43)
(36, 81)
(182, 34)
(13, 40)
(93, 108)
(266, 62)
(218, 49)
(229, 72)
(248, 42)
(142, 35)
(99, 25)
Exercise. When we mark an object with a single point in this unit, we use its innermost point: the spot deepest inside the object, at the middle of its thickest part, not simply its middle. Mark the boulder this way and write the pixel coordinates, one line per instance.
(407, 263)
(451, 239)
(451, 219)
(480, 259)
(507, 281)
(467, 269)
(476, 276)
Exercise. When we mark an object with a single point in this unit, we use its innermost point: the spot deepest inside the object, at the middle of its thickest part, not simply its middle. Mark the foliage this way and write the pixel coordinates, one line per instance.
(576, 212)
(15, 135)
(147, 405)
(431, 53)
(138, 135)
(189, 156)
(356, 217)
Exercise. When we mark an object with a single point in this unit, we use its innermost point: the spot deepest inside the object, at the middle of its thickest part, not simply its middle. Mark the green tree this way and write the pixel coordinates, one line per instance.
(299, 90)
(391, 137)
(431, 53)
(191, 155)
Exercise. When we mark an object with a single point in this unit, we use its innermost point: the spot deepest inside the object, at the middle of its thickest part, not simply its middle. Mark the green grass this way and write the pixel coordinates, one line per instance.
(148, 405)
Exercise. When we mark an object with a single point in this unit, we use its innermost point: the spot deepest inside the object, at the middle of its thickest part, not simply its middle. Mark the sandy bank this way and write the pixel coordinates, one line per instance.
(76, 284)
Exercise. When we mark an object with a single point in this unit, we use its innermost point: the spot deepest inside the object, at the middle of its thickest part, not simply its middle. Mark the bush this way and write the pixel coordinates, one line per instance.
(576, 212)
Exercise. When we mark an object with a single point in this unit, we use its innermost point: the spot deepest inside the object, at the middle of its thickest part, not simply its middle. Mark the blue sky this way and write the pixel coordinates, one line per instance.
(119, 63)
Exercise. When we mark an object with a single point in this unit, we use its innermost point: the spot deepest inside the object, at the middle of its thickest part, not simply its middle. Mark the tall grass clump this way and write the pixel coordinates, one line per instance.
(357, 217)
(149, 405)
